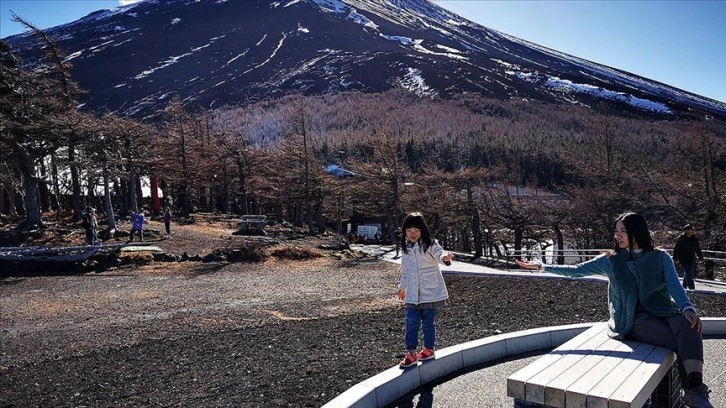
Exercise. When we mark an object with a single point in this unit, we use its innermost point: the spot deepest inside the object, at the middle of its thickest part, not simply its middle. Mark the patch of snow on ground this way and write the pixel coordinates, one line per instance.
(565, 85)
(290, 3)
(361, 19)
(414, 83)
(449, 49)
(170, 61)
(420, 48)
(506, 64)
(235, 58)
(74, 55)
(334, 6)
(401, 39)
(274, 52)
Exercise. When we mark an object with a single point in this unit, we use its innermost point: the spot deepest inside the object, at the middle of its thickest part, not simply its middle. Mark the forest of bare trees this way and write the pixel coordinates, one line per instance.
(483, 171)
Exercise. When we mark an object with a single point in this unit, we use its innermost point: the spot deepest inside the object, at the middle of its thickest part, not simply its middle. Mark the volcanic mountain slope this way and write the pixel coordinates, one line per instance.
(132, 59)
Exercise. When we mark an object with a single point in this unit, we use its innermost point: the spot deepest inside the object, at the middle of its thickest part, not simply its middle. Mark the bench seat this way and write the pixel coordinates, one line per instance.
(592, 370)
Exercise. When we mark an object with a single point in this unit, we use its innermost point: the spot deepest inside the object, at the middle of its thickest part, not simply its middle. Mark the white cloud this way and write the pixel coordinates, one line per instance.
(127, 2)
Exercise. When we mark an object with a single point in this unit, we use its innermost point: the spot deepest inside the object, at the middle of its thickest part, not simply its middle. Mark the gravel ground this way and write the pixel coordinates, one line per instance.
(277, 333)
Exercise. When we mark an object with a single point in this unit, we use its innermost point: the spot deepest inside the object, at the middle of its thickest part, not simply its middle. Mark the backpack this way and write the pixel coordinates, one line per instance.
(86, 222)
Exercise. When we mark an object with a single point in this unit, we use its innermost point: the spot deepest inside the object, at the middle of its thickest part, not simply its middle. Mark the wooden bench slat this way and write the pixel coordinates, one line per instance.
(643, 381)
(598, 396)
(517, 381)
(535, 387)
(556, 390)
(576, 393)
(592, 371)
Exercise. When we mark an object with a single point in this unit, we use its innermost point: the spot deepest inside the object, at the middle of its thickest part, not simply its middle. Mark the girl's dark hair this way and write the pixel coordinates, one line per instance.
(416, 220)
(637, 230)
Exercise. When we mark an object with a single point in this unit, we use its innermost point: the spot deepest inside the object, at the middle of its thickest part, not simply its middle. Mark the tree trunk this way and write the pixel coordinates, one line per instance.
(56, 205)
(133, 201)
(75, 182)
(108, 208)
(32, 208)
(30, 183)
(155, 203)
(475, 223)
(560, 248)
(518, 239)
(90, 202)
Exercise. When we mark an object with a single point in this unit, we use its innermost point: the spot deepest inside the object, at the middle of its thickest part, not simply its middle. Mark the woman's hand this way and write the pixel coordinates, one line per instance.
(401, 294)
(694, 319)
(533, 266)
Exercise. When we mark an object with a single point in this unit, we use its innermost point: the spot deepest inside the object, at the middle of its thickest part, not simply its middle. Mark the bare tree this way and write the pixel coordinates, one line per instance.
(58, 70)
(29, 129)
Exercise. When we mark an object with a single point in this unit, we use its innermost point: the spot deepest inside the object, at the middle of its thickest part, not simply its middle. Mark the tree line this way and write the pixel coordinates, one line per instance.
(487, 173)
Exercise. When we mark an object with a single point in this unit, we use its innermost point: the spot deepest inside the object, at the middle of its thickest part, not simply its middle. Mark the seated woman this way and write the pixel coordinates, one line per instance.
(646, 300)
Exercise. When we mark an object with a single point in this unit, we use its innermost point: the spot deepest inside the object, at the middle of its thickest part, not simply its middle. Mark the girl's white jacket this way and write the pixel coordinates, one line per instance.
(421, 276)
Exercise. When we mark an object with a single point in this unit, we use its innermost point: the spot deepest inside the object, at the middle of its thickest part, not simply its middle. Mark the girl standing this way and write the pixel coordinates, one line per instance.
(422, 286)
(646, 300)
(167, 222)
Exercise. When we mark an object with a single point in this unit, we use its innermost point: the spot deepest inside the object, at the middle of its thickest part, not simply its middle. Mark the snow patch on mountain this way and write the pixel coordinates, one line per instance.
(413, 82)
(334, 6)
(403, 40)
(566, 86)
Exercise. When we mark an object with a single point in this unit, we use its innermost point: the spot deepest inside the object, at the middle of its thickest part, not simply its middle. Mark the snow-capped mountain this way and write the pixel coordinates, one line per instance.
(133, 59)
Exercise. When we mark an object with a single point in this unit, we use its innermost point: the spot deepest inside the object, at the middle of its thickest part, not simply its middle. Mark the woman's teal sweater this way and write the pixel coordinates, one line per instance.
(647, 278)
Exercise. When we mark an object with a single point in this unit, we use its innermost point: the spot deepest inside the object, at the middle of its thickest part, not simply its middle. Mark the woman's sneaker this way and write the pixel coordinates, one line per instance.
(409, 360)
(425, 354)
(697, 397)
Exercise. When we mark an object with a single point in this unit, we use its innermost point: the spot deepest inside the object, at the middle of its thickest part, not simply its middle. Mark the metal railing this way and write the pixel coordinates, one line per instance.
(712, 259)
(550, 256)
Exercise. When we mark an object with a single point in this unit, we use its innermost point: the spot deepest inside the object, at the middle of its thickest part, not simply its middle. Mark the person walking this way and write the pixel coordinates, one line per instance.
(167, 222)
(685, 253)
(90, 223)
(138, 225)
(646, 301)
(422, 287)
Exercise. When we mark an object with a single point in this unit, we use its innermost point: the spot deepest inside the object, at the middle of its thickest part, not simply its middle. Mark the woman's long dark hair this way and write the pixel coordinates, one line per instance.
(637, 230)
(416, 220)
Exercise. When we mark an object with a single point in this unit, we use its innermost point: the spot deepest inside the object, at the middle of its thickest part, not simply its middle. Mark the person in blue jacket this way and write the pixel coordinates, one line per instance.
(138, 220)
(422, 286)
(646, 300)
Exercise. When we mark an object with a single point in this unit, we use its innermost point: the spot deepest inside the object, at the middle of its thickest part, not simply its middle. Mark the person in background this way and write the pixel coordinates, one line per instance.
(90, 223)
(422, 287)
(646, 301)
(167, 222)
(138, 225)
(685, 253)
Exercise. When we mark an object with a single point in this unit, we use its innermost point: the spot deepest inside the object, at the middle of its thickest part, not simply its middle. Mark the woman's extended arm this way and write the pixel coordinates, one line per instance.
(600, 265)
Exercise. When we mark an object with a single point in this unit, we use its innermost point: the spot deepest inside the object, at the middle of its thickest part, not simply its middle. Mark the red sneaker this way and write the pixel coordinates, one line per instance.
(425, 354)
(409, 360)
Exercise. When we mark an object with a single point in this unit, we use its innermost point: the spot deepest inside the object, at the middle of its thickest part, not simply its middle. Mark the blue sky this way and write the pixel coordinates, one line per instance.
(679, 43)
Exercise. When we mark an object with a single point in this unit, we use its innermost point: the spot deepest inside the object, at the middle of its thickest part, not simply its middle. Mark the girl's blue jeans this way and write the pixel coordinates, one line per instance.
(415, 318)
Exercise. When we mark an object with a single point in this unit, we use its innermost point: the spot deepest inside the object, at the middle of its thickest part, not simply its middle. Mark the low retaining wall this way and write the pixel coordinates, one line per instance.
(386, 387)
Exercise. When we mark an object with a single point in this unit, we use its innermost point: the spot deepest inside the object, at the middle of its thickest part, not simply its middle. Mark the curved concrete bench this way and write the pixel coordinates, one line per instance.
(386, 387)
